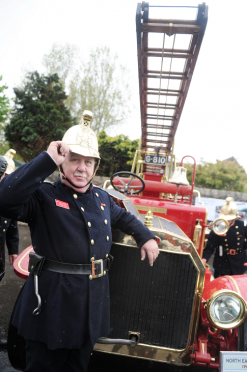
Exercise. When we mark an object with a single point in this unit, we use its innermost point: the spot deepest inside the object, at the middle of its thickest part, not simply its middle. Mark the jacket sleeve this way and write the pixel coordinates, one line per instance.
(212, 244)
(12, 238)
(129, 224)
(18, 190)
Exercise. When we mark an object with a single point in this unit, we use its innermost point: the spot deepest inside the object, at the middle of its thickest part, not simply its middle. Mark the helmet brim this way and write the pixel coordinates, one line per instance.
(84, 151)
(229, 217)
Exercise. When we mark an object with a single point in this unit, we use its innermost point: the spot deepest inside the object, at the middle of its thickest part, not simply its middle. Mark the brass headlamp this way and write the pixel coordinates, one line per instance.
(228, 214)
(220, 226)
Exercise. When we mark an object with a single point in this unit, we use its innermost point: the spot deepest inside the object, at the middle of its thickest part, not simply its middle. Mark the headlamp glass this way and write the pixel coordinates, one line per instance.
(220, 226)
(225, 309)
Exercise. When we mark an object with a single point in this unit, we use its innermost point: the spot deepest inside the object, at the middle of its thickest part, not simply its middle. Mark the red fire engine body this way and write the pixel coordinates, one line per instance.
(193, 317)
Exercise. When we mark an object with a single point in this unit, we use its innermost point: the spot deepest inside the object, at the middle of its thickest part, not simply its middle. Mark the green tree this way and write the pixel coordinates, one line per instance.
(39, 115)
(4, 109)
(222, 175)
(4, 104)
(61, 60)
(100, 84)
(116, 153)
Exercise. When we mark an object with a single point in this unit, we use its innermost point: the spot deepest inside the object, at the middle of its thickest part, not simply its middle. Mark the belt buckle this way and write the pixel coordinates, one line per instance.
(94, 276)
(232, 252)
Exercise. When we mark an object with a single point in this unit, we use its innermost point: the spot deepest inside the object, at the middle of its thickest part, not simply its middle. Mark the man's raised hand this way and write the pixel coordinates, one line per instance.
(58, 150)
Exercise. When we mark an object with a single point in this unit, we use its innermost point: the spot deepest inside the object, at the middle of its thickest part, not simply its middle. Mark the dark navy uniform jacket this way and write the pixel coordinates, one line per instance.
(72, 227)
(8, 234)
(234, 239)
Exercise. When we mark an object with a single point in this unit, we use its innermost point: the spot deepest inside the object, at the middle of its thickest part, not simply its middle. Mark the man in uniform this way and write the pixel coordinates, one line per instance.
(70, 223)
(8, 228)
(230, 254)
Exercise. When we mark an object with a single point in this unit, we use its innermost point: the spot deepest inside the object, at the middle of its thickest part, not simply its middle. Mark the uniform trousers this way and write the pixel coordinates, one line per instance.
(217, 274)
(40, 359)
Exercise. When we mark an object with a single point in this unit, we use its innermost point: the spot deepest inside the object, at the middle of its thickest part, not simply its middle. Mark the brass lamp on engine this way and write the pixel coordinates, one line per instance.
(228, 214)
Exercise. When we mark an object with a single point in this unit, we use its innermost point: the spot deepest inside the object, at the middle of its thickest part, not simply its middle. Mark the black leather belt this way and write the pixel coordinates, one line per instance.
(96, 269)
(38, 263)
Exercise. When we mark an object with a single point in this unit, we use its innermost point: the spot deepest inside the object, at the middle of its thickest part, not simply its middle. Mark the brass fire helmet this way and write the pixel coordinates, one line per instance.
(82, 140)
(228, 212)
(9, 158)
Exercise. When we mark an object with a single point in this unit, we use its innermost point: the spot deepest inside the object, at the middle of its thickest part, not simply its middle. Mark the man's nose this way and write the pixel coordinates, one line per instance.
(82, 166)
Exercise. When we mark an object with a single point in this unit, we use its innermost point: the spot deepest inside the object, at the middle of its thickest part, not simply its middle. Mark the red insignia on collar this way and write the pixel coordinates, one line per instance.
(62, 204)
(103, 204)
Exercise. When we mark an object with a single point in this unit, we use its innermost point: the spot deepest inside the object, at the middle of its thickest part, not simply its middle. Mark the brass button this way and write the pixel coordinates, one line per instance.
(105, 222)
(90, 277)
(238, 238)
(106, 255)
(92, 259)
(107, 238)
(97, 194)
(236, 227)
(4, 230)
(89, 224)
(92, 242)
(238, 243)
(237, 233)
(226, 245)
(102, 207)
(75, 196)
(225, 240)
(82, 209)
(104, 273)
(5, 221)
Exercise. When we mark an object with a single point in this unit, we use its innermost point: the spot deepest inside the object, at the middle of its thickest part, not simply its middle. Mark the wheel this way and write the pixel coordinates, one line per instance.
(16, 344)
(129, 186)
(242, 336)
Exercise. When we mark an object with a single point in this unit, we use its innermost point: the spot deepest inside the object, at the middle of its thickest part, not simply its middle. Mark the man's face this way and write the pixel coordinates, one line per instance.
(5, 174)
(231, 222)
(78, 169)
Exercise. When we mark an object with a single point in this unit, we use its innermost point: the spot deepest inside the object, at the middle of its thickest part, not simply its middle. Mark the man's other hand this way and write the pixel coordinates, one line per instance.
(151, 249)
(58, 150)
(12, 257)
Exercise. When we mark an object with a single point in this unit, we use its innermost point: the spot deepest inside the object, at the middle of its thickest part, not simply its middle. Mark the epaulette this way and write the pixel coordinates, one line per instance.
(49, 182)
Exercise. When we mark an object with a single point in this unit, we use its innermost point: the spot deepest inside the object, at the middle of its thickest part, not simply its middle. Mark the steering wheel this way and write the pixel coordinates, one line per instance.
(132, 187)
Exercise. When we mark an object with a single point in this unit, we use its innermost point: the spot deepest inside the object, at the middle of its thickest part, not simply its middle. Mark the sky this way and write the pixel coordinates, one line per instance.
(213, 122)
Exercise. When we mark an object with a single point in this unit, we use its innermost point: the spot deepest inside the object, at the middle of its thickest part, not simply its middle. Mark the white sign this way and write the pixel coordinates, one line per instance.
(233, 361)
(154, 159)
(214, 205)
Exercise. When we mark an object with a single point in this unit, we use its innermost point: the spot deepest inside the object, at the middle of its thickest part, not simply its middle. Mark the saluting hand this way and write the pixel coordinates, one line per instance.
(58, 150)
(151, 249)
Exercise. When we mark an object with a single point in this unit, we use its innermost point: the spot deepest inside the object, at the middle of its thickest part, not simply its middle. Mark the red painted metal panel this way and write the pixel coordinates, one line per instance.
(21, 263)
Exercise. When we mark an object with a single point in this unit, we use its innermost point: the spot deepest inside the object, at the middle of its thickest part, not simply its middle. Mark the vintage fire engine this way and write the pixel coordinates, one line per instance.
(171, 312)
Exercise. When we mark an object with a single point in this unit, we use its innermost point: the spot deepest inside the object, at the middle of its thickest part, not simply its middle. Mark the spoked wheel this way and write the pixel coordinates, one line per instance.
(127, 183)
(16, 344)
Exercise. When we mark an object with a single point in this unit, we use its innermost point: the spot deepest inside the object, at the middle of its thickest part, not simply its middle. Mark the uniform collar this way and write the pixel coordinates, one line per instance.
(90, 187)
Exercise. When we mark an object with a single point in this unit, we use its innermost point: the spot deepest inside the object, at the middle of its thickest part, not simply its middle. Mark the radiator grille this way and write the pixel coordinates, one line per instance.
(155, 301)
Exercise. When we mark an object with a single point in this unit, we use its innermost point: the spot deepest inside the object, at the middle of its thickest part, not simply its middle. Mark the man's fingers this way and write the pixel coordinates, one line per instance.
(151, 259)
(143, 254)
(151, 249)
